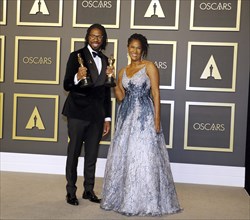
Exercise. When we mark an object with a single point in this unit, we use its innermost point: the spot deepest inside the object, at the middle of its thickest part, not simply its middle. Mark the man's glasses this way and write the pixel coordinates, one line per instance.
(93, 37)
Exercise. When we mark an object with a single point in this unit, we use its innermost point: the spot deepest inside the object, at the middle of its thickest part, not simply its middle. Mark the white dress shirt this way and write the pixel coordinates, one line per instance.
(97, 59)
(98, 63)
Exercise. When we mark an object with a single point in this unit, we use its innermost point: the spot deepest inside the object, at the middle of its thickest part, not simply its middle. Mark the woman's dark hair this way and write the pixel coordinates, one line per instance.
(104, 35)
(143, 40)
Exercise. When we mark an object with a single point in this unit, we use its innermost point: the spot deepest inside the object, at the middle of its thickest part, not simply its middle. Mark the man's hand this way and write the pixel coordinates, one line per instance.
(82, 73)
(110, 71)
(106, 128)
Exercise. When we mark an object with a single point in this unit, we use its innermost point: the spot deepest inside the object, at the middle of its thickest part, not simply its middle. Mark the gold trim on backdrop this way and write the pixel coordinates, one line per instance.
(1, 115)
(58, 24)
(73, 41)
(236, 28)
(114, 41)
(232, 120)
(174, 43)
(41, 96)
(57, 73)
(2, 41)
(3, 10)
(175, 27)
(116, 25)
(171, 125)
(234, 69)
(113, 100)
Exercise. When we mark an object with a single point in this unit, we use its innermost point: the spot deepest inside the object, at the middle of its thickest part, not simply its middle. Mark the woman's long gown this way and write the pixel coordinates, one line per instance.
(138, 178)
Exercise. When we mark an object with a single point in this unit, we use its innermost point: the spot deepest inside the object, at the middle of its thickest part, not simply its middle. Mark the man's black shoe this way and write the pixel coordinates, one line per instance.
(72, 200)
(91, 196)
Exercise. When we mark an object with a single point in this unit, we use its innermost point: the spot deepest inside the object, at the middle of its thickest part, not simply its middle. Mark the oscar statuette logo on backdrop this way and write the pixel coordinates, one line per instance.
(31, 119)
(211, 70)
(155, 14)
(154, 10)
(35, 120)
(44, 13)
(39, 6)
(212, 66)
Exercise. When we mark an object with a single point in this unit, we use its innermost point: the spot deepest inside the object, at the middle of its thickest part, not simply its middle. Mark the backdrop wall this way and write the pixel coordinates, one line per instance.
(201, 48)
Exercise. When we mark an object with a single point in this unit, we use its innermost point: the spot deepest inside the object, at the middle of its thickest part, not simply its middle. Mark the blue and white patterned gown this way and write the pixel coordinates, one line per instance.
(138, 178)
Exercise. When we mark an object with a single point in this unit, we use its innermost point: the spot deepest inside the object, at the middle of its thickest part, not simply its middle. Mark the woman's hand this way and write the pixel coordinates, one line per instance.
(157, 125)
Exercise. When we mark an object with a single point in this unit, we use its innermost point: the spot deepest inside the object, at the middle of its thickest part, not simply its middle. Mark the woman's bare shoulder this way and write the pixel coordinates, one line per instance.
(121, 71)
(149, 64)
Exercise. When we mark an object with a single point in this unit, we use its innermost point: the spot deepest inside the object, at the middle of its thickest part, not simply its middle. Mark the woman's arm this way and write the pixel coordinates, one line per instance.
(118, 89)
(153, 75)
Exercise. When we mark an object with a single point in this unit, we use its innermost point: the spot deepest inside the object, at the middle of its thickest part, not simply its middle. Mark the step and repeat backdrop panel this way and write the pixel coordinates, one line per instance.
(201, 48)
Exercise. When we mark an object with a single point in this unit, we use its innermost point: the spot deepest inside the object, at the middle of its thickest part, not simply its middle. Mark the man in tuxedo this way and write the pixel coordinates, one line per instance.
(88, 110)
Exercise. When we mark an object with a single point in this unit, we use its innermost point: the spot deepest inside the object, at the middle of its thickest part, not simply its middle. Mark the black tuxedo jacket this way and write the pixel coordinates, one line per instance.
(92, 103)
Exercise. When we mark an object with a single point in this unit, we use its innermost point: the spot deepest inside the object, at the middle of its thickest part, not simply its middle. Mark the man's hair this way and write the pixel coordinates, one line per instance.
(104, 35)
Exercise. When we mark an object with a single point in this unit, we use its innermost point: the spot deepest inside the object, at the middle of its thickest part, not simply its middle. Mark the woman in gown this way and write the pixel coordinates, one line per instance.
(138, 178)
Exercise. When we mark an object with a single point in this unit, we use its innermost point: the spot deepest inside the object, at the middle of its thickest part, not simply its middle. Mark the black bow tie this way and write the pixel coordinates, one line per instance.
(96, 54)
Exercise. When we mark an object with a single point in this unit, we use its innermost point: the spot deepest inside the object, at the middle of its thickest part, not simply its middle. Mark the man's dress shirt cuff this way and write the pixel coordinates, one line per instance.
(108, 119)
(76, 81)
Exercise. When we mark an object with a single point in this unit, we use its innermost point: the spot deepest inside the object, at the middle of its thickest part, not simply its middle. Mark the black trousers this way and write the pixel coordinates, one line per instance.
(90, 133)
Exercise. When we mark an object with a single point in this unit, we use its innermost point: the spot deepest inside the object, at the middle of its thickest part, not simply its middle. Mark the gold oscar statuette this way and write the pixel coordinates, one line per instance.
(110, 81)
(86, 81)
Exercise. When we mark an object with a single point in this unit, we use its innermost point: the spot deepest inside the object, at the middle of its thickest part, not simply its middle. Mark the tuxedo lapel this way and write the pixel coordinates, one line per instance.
(104, 66)
(90, 64)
